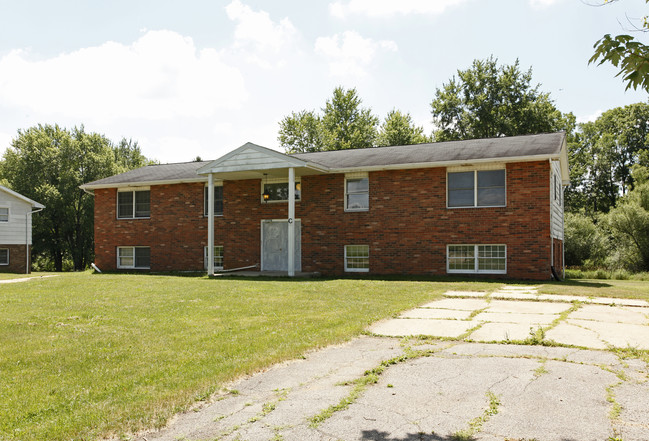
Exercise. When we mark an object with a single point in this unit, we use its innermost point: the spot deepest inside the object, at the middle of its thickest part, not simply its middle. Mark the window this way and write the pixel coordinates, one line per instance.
(357, 194)
(357, 258)
(134, 257)
(278, 190)
(4, 214)
(218, 200)
(4, 256)
(218, 256)
(477, 188)
(488, 259)
(133, 204)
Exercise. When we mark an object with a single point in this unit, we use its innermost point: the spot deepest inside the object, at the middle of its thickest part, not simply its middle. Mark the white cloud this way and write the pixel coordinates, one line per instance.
(261, 39)
(162, 75)
(382, 8)
(349, 54)
(589, 118)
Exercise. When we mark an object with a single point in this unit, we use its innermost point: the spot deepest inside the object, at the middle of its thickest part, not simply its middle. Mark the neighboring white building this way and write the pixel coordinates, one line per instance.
(16, 230)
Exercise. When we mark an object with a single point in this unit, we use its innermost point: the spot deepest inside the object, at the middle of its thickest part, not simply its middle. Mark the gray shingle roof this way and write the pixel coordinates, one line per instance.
(542, 145)
(183, 171)
(474, 149)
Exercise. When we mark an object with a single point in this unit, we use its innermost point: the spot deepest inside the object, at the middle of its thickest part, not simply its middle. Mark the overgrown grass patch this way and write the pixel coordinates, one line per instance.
(83, 356)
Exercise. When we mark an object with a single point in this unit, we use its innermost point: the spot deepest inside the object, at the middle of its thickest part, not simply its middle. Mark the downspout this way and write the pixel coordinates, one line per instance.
(27, 265)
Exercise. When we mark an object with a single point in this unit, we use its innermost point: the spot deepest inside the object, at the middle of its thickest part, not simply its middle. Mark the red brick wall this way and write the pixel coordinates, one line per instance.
(17, 260)
(407, 226)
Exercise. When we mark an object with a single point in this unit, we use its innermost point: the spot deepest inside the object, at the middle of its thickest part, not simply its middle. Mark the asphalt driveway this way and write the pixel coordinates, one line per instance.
(411, 388)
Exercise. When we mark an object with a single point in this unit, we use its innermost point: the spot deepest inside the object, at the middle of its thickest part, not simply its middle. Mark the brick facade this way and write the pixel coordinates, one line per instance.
(407, 226)
(17, 260)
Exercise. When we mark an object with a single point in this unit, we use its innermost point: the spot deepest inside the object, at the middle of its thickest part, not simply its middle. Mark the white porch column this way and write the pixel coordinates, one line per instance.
(210, 224)
(291, 222)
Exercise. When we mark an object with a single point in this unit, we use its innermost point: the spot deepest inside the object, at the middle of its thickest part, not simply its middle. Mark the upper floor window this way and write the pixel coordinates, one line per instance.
(4, 214)
(133, 204)
(218, 200)
(357, 193)
(277, 190)
(476, 188)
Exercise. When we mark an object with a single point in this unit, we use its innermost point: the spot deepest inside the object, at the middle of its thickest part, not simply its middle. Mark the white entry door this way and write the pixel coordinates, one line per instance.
(274, 245)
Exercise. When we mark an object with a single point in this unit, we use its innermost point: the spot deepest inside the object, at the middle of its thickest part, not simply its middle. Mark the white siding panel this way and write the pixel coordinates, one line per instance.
(556, 204)
(13, 232)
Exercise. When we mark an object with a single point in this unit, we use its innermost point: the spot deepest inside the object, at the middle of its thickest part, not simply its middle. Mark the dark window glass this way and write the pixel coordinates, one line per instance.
(461, 189)
(142, 204)
(218, 201)
(4, 256)
(143, 257)
(491, 187)
(125, 204)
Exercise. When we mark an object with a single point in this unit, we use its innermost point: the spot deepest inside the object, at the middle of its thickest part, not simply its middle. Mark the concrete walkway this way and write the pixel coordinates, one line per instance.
(521, 315)
(26, 279)
(407, 389)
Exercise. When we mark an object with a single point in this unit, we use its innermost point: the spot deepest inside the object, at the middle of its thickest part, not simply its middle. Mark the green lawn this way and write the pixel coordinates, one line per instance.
(83, 355)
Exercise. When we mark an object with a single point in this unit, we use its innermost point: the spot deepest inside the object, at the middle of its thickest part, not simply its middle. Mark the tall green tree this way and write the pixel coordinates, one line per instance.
(490, 100)
(626, 53)
(399, 129)
(48, 164)
(344, 124)
(603, 155)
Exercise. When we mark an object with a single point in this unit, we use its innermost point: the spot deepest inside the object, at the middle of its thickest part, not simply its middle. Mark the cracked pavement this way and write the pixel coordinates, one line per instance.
(441, 389)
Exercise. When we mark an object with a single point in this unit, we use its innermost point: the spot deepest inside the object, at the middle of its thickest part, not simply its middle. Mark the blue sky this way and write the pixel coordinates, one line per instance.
(200, 78)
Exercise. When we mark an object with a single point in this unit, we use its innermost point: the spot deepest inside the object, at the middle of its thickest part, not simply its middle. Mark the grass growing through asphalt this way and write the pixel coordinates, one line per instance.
(83, 356)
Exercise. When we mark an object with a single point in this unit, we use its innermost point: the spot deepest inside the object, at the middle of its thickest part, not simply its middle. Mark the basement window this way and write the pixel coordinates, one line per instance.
(484, 259)
(218, 257)
(133, 257)
(357, 258)
(4, 256)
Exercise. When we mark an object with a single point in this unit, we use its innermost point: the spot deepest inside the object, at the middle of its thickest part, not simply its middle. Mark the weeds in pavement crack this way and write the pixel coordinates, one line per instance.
(475, 425)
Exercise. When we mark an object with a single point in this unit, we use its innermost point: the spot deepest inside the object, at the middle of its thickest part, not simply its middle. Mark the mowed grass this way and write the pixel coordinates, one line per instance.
(84, 356)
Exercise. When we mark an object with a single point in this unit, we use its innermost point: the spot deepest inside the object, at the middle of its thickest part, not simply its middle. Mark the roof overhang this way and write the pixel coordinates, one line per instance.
(251, 161)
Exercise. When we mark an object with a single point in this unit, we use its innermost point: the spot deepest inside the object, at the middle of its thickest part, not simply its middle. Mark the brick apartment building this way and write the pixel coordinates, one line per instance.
(486, 207)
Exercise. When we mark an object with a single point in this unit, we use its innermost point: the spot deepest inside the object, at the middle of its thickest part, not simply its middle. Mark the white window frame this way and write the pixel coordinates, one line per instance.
(8, 214)
(357, 270)
(120, 266)
(205, 190)
(476, 257)
(7, 262)
(356, 177)
(475, 187)
(132, 190)
(216, 256)
(298, 190)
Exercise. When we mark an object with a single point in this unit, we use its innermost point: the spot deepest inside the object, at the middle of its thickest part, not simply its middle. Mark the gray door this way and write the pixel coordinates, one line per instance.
(274, 245)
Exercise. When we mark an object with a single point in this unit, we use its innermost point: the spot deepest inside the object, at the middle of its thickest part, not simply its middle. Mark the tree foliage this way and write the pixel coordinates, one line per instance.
(48, 164)
(344, 124)
(602, 156)
(626, 53)
(399, 129)
(488, 100)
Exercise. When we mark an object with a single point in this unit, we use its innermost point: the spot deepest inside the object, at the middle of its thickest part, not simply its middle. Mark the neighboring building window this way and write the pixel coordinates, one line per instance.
(133, 204)
(218, 256)
(218, 200)
(4, 214)
(278, 191)
(477, 188)
(4, 256)
(357, 258)
(490, 259)
(357, 194)
(134, 257)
